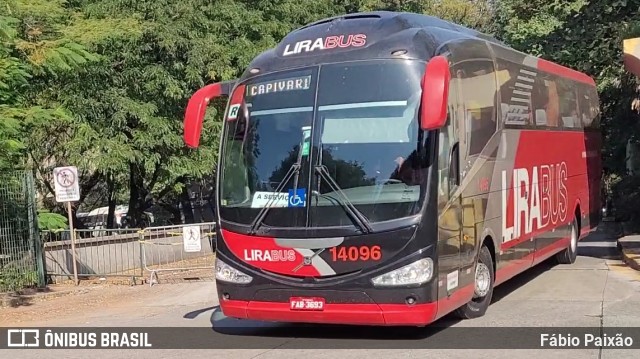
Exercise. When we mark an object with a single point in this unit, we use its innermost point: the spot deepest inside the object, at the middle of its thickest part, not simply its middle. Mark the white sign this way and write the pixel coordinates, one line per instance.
(191, 239)
(261, 199)
(65, 180)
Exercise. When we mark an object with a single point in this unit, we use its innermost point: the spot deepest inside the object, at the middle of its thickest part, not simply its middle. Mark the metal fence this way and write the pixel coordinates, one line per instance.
(132, 253)
(178, 249)
(103, 253)
(21, 263)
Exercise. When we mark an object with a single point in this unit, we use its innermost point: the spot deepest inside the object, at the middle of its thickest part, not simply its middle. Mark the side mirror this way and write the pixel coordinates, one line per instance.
(435, 94)
(197, 107)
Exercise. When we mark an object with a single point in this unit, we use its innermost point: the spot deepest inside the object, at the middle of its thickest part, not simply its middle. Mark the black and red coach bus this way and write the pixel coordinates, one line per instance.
(389, 168)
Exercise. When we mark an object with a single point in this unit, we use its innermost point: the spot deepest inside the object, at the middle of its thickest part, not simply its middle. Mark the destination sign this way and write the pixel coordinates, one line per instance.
(280, 85)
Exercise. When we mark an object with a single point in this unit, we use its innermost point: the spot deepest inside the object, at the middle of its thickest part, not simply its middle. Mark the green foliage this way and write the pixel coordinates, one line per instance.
(14, 279)
(48, 221)
(31, 53)
(102, 84)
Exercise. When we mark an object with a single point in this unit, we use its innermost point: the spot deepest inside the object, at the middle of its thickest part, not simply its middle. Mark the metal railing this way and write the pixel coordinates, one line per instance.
(178, 249)
(130, 252)
(107, 253)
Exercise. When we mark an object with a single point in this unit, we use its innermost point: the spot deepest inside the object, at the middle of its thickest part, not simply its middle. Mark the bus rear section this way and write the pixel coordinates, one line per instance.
(369, 177)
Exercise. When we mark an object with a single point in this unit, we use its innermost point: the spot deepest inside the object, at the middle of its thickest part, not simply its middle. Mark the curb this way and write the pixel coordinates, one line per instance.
(632, 260)
(631, 255)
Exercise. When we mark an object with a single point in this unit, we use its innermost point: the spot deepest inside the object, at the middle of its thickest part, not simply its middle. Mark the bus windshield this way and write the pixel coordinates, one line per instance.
(305, 142)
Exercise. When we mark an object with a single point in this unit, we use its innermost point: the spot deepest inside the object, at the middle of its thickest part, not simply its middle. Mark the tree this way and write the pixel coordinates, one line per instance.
(586, 36)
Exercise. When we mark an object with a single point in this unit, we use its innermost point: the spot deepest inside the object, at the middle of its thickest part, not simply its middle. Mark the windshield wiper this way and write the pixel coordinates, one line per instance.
(294, 169)
(358, 218)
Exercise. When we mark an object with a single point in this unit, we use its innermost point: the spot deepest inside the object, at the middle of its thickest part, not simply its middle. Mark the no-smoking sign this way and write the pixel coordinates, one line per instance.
(66, 184)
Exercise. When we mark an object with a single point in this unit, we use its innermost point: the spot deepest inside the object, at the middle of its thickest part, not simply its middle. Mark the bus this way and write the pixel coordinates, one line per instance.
(388, 169)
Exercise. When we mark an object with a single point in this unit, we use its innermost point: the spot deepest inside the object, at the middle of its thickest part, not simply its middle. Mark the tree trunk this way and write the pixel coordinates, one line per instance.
(137, 197)
(111, 200)
(187, 208)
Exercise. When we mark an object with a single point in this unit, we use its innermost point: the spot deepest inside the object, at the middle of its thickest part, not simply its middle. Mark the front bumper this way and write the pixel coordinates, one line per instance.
(334, 313)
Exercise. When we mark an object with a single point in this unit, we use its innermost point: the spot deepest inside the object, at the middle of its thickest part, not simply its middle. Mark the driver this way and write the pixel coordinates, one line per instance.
(407, 170)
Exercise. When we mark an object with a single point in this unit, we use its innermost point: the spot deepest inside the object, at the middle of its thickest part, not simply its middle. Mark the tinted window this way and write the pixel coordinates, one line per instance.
(546, 101)
(357, 120)
(475, 82)
(369, 140)
(516, 85)
(569, 104)
(589, 107)
(258, 149)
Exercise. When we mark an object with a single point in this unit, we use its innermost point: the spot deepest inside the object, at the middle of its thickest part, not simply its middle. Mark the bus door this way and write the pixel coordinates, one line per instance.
(449, 199)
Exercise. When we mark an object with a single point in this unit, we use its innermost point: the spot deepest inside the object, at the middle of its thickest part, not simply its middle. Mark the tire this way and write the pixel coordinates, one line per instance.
(477, 307)
(569, 254)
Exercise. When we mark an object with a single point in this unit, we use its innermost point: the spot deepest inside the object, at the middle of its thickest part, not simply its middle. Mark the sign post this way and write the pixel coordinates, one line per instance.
(68, 190)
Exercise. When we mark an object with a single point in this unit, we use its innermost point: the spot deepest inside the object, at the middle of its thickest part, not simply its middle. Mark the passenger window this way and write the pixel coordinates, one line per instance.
(569, 108)
(589, 108)
(539, 101)
(478, 89)
(553, 103)
(516, 86)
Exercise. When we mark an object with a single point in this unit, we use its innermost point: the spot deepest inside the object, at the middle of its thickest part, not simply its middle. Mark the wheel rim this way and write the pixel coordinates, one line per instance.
(483, 280)
(574, 239)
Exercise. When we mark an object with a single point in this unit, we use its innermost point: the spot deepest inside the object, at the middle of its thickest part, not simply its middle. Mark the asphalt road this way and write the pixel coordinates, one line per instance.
(596, 291)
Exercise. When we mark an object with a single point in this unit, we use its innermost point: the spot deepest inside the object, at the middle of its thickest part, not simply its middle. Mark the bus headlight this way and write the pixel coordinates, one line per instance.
(226, 273)
(417, 272)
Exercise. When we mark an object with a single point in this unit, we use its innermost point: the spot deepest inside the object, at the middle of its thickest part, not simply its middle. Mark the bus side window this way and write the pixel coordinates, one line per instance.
(516, 83)
(589, 108)
(539, 101)
(569, 111)
(553, 103)
(479, 90)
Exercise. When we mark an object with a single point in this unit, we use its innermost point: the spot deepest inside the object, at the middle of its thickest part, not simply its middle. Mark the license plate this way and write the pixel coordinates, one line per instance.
(300, 303)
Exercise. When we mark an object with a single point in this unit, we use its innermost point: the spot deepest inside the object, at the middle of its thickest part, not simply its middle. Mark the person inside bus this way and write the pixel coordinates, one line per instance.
(408, 169)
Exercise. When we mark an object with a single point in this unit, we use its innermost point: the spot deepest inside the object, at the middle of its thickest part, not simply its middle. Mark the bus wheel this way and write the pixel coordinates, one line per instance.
(483, 291)
(569, 255)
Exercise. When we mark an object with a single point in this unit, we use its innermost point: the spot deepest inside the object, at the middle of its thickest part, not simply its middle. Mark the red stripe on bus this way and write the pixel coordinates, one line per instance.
(560, 70)
(264, 253)
(514, 242)
(457, 299)
(333, 313)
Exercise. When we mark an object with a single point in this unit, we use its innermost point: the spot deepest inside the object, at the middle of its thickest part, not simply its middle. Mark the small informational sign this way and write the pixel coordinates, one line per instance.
(233, 111)
(281, 85)
(191, 239)
(306, 131)
(297, 198)
(66, 185)
(272, 199)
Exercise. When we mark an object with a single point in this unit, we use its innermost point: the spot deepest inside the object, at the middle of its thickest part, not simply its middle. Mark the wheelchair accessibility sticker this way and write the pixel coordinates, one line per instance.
(299, 198)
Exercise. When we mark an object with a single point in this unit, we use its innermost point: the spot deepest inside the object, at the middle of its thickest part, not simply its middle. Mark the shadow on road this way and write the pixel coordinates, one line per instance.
(194, 314)
(505, 289)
